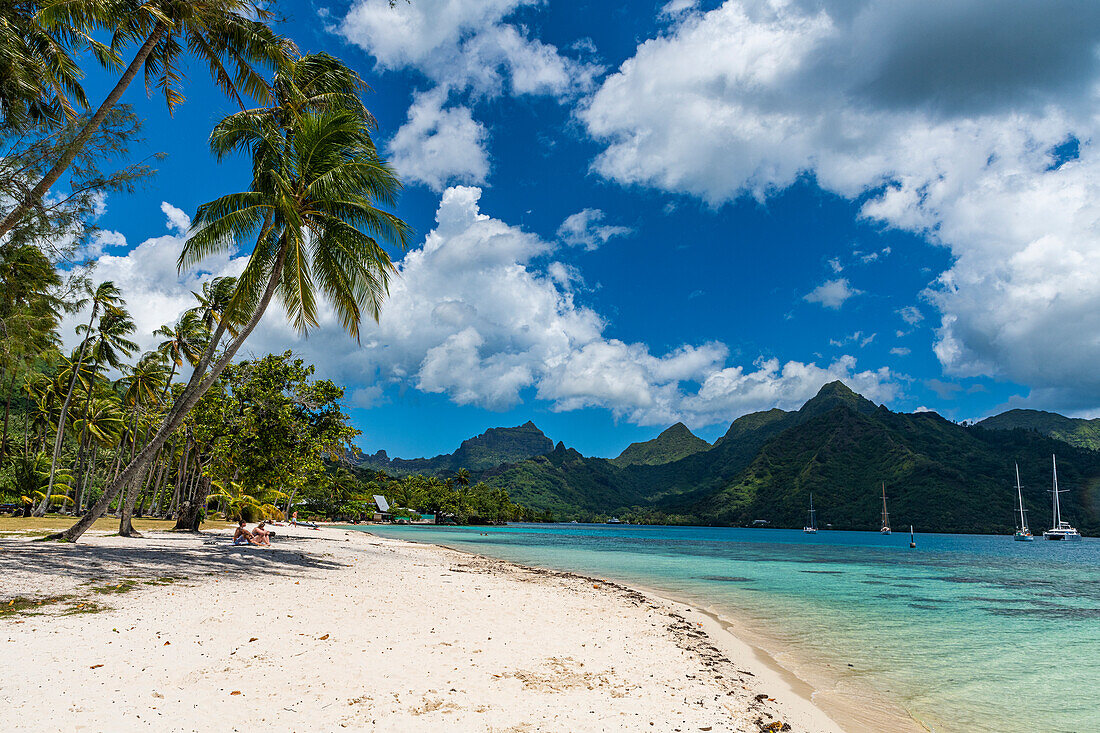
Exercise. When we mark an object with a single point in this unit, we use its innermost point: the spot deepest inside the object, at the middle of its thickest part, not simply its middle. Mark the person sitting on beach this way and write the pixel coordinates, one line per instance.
(260, 535)
(242, 536)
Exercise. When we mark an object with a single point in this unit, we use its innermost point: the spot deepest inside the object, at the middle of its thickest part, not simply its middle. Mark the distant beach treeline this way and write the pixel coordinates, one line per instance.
(940, 476)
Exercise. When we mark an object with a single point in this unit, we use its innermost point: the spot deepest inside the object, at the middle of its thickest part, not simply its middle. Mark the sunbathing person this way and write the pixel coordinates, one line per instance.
(242, 536)
(260, 535)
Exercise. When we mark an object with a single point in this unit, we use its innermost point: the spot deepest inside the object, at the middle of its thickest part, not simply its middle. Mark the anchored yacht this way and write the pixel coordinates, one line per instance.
(1061, 530)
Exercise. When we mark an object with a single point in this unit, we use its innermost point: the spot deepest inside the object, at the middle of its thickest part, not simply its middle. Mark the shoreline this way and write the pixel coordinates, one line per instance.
(340, 628)
(868, 714)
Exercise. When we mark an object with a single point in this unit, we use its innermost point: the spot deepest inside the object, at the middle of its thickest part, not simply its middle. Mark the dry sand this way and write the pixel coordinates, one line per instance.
(333, 629)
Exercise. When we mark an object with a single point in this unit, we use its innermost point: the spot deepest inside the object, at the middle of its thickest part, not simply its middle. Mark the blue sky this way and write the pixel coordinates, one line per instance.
(632, 214)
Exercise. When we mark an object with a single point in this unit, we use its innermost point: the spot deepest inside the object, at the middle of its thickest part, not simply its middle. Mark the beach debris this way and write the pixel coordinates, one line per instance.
(254, 638)
(95, 666)
(235, 692)
(167, 643)
(323, 638)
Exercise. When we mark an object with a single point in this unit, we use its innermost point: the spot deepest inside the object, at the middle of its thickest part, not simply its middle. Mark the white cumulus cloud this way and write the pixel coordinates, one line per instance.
(972, 123)
(481, 313)
(464, 44)
(439, 146)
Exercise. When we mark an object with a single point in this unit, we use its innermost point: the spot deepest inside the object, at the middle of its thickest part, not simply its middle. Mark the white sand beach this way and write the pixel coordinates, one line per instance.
(334, 629)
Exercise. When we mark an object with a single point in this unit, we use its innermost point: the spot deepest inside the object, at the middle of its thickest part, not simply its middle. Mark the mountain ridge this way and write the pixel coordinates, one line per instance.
(939, 475)
(672, 444)
(1080, 432)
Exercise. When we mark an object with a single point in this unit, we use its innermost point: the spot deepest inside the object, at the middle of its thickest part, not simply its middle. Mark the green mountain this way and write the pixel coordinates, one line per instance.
(1073, 430)
(671, 445)
(939, 476)
(492, 448)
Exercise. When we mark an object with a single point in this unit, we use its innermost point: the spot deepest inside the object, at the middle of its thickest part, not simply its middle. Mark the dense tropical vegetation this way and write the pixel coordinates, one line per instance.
(183, 427)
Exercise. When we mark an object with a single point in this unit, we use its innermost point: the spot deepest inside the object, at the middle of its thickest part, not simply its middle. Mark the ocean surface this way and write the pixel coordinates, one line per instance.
(966, 632)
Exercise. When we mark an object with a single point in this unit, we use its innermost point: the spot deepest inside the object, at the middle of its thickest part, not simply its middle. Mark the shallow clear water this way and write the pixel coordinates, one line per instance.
(967, 632)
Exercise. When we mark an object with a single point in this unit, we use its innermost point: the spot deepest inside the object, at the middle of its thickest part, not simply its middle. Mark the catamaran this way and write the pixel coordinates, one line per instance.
(812, 528)
(1061, 530)
(1023, 534)
(885, 516)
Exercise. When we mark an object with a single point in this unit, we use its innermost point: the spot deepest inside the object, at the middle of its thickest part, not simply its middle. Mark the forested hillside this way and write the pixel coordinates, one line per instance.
(1073, 430)
(939, 476)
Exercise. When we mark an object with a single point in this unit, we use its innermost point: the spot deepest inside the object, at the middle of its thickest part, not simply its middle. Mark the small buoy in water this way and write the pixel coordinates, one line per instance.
(912, 542)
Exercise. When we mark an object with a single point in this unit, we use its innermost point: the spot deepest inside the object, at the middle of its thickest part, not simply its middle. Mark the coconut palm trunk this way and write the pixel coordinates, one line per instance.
(35, 194)
(40, 511)
(187, 399)
(317, 180)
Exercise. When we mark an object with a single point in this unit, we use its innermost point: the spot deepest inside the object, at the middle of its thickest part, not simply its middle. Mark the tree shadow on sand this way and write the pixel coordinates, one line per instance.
(40, 565)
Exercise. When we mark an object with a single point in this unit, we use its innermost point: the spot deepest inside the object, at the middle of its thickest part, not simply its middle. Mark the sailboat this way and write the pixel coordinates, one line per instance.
(885, 516)
(912, 539)
(1023, 534)
(1061, 530)
(812, 528)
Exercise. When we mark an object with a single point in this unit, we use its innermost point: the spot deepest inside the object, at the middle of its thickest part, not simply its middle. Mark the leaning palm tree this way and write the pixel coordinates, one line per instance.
(230, 36)
(313, 207)
(143, 387)
(106, 295)
(106, 346)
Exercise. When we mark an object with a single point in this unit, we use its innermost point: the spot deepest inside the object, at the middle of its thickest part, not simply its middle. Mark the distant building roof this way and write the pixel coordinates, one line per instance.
(381, 503)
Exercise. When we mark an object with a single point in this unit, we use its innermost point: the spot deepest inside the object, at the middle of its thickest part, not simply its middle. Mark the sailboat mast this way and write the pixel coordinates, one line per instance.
(1020, 498)
(1057, 507)
(885, 516)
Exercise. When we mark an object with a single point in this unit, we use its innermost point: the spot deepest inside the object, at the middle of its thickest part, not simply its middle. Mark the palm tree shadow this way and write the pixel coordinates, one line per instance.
(48, 567)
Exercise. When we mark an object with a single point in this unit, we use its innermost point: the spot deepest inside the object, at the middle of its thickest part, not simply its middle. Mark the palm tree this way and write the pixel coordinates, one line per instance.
(31, 472)
(143, 386)
(185, 340)
(110, 343)
(230, 36)
(314, 195)
(106, 347)
(106, 295)
(214, 300)
(39, 79)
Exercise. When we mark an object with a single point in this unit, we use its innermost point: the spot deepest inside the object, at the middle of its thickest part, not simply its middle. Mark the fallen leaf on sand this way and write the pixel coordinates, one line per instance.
(235, 692)
(324, 637)
(254, 638)
(167, 643)
(96, 666)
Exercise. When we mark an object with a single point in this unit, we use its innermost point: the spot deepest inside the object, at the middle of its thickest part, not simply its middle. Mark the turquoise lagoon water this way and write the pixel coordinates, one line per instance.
(966, 632)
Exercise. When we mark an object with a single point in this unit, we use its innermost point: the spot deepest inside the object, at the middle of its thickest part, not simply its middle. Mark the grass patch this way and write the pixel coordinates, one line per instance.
(42, 526)
(115, 588)
(73, 605)
(166, 580)
(29, 606)
(82, 607)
